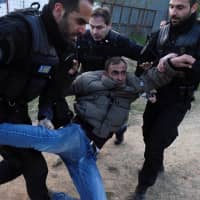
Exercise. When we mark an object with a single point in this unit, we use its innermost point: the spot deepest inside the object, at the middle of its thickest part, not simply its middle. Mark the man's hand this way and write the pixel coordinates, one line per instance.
(46, 123)
(184, 60)
(145, 65)
(163, 60)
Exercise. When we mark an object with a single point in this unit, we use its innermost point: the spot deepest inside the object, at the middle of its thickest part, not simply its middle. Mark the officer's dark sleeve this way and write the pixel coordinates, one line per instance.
(15, 40)
(57, 110)
(124, 47)
(131, 48)
(54, 108)
(148, 53)
(195, 70)
(52, 98)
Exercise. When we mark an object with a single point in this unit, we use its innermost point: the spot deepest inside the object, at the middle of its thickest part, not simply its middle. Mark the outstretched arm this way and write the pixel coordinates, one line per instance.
(161, 75)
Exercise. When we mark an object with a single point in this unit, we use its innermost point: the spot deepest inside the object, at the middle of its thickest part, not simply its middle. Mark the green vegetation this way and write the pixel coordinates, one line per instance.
(139, 38)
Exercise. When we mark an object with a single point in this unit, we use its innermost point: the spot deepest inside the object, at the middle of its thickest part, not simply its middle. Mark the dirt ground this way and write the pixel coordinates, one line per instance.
(119, 165)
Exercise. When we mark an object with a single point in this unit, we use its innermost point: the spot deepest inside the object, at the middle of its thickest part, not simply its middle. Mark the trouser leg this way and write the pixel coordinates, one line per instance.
(150, 116)
(87, 179)
(163, 132)
(69, 142)
(81, 163)
(31, 165)
(10, 166)
(35, 174)
(120, 134)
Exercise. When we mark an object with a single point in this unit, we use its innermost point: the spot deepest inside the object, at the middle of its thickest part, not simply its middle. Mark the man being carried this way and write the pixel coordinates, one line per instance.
(103, 100)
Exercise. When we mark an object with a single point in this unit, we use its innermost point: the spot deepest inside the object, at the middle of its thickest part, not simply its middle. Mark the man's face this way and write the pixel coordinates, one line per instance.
(117, 72)
(98, 28)
(73, 24)
(180, 10)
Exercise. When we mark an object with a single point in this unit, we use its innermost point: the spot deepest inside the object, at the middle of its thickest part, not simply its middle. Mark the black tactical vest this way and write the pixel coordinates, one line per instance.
(185, 43)
(26, 80)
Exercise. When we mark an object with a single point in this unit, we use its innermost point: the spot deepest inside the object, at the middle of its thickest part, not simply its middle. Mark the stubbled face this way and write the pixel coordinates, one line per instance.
(98, 28)
(180, 10)
(73, 24)
(117, 72)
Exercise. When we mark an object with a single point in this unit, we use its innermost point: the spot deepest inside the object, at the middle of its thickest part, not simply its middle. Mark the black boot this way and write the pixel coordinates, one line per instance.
(119, 139)
(120, 135)
(140, 193)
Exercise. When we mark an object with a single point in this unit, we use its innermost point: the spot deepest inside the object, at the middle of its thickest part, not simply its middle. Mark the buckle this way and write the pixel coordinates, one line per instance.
(94, 147)
(11, 103)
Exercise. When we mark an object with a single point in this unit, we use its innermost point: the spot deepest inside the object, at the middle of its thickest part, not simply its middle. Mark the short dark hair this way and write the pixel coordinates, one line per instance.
(69, 5)
(114, 61)
(103, 12)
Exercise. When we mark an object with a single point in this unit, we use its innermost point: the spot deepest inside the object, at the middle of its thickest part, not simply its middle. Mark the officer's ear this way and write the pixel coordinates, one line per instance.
(58, 11)
(194, 8)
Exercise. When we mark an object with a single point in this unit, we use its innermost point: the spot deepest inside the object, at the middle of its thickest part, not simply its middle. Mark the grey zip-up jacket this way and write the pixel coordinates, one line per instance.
(104, 104)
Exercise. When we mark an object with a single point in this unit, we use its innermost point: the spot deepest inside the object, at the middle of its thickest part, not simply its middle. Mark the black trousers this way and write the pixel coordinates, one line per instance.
(160, 129)
(29, 163)
(19, 161)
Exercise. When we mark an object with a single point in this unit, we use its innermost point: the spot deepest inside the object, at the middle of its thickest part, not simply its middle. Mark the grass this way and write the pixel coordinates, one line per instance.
(139, 38)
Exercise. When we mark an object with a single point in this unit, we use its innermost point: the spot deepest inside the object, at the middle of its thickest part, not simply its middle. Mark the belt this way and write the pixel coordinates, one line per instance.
(10, 103)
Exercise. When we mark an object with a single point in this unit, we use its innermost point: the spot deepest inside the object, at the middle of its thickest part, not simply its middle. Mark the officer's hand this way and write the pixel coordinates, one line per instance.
(46, 123)
(152, 99)
(163, 23)
(74, 69)
(145, 65)
(163, 60)
(151, 96)
(184, 60)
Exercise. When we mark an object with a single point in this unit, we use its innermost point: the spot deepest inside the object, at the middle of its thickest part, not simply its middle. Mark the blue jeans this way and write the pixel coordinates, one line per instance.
(71, 144)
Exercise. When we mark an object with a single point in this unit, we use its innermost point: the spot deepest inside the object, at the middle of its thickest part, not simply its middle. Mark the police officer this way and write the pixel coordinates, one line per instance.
(32, 49)
(99, 43)
(162, 118)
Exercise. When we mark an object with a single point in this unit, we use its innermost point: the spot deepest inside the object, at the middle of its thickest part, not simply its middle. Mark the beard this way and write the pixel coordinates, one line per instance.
(178, 21)
(63, 26)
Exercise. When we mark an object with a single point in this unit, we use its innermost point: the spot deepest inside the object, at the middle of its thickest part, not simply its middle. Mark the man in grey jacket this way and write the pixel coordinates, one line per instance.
(102, 105)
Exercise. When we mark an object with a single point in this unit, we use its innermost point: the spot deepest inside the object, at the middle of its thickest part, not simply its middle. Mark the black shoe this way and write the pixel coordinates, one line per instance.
(120, 135)
(140, 193)
(59, 196)
(161, 170)
(139, 196)
(119, 139)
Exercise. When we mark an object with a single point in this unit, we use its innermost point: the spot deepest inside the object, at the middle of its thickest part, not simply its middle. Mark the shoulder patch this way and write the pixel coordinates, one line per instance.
(45, 69)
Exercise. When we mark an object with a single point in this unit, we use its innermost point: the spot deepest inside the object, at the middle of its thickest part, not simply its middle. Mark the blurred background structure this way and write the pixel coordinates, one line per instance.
(10, 5)
(136, 17)
(133, 18)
